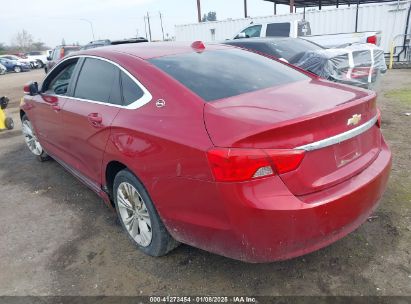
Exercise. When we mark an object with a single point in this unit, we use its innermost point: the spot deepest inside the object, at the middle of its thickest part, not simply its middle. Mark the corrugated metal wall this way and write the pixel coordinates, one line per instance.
(383, 17)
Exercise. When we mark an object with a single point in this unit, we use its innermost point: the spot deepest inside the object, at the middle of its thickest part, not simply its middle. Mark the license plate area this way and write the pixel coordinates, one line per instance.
(347, 151)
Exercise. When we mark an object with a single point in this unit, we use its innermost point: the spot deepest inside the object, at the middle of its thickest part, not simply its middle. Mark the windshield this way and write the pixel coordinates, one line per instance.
(224, 73)
(289, 48)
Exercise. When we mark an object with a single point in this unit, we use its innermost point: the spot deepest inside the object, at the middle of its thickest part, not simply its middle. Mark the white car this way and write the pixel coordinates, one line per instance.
(39, 56)
(31, 63)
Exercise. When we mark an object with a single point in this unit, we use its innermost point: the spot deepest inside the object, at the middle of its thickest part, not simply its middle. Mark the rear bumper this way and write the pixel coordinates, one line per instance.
(267, 226)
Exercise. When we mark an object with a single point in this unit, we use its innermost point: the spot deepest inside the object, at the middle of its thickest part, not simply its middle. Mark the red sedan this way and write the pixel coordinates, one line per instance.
(212, 146)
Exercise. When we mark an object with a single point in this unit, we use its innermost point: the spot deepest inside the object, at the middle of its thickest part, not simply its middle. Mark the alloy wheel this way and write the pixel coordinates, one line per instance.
(134, 214)
(31, 139)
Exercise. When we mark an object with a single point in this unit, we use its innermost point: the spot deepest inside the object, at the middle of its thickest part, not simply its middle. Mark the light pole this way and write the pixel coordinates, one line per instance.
(91, 25)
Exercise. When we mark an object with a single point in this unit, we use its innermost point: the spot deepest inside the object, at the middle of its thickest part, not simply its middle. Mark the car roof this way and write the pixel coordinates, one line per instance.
(151, 49)
(260, 40)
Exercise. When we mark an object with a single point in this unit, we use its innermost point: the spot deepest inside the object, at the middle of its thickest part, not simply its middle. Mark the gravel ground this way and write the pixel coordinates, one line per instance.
(58, 238)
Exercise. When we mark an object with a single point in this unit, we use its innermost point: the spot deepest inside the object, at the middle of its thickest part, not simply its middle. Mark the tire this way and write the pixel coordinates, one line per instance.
(17, 69)
(9, 123)
(34, 146)
(40, 64)
(161, 241)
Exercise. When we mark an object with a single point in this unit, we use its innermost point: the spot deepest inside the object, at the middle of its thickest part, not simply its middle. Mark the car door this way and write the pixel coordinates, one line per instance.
(88, 116)
(46, 113)
(250, 32)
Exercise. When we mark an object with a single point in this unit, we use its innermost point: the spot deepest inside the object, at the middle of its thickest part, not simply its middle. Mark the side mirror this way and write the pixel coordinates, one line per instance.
(48, 58)
(32, 88)
(241, 35)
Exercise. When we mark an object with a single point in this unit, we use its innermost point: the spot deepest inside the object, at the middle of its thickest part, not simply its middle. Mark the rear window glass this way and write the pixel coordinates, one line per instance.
(224, 73)
(278, 29)
(131, 91)
(289, 48)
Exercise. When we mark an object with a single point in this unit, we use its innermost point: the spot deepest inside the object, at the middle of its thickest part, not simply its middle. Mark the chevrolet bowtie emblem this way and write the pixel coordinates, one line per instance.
(354, 120)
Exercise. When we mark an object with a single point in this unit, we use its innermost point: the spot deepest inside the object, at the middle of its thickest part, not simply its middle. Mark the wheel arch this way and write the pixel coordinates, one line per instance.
(112, 168)
(22, 113)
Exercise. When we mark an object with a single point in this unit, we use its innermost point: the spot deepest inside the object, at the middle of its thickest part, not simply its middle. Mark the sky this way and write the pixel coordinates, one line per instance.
(50, 21)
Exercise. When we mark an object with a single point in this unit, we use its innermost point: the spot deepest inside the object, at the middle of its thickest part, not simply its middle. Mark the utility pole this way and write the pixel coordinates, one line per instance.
(291, 6)
(275, 8)
(162, 28)
(199, 10)
(91, 25)
(356, 16)
(149, 26)
(245, 9)
(145, 26)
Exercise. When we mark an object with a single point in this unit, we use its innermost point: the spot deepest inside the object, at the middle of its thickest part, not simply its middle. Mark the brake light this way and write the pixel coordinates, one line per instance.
(26, 88)
(198, 46)
(372, 39)
(231, 164)
(61, 53)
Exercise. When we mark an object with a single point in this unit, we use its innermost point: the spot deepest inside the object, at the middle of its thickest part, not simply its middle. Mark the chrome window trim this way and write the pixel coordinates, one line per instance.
(143, 100)
(340, 137)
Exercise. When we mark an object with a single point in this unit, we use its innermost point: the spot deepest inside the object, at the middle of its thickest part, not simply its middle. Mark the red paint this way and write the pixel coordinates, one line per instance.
(372, 39)
(309, 201)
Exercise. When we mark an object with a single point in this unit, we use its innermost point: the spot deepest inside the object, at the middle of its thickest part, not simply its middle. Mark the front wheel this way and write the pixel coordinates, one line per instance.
(40, 64)
(138, 216)
(31, 140)
(9, 123)
(17, 69)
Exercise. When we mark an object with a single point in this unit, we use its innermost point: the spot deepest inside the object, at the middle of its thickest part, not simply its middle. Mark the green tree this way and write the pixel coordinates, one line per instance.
(210, 16)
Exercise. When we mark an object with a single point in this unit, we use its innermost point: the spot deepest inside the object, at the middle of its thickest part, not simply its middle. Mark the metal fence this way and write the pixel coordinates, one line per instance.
(400, 54)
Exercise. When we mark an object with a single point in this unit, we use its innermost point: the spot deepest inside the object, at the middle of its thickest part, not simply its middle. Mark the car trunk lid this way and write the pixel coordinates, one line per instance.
(295, 116)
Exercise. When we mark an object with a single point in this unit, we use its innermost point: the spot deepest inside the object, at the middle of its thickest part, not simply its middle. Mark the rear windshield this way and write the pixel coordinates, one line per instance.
(224, 73)
(289, 48)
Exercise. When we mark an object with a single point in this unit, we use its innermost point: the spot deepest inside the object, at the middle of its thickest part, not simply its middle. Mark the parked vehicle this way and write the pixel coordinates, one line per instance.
(212, 146)
(302, 28)
(25, 61)
(360, 64)
(59, 53)
(40, 57)
(3, 69)
(105, 42)
(13, 65)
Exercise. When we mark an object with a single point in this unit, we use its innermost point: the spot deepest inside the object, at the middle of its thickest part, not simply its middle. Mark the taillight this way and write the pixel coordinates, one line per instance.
(378, 118)
(372, 39)
(61, 53)
(231, 164)
(26, 88)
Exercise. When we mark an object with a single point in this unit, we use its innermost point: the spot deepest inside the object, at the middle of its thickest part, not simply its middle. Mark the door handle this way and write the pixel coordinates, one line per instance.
(95, 119)
(56, 107)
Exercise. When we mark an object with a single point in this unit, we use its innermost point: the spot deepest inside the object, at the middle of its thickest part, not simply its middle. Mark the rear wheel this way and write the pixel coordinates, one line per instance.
(40, 64)
(31, 140)
(17, 69)
(9, 123)
(138, 216)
